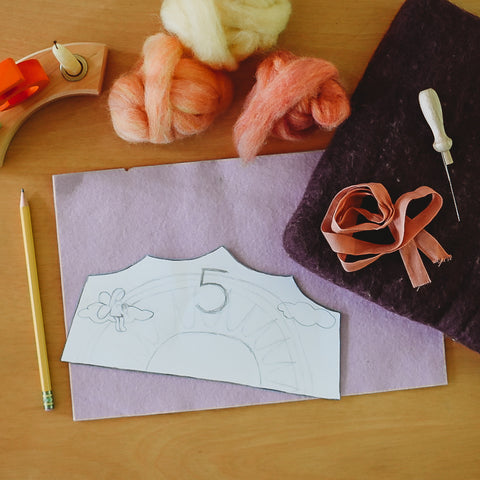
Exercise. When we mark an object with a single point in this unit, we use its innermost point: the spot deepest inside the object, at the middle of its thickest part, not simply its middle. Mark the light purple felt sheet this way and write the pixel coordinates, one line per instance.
(108, 220)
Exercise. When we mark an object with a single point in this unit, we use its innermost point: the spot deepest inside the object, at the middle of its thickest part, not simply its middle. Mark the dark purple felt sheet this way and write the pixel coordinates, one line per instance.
(430, 44)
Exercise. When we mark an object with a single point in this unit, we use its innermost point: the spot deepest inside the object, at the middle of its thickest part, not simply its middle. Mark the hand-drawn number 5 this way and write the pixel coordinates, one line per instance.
(223, 290)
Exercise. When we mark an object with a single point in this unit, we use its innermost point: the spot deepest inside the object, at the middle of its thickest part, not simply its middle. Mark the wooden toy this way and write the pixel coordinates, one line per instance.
(92, 57)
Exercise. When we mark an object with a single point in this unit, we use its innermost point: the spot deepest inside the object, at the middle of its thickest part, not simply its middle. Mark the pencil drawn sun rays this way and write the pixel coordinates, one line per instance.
(247, 340)
(211, 318)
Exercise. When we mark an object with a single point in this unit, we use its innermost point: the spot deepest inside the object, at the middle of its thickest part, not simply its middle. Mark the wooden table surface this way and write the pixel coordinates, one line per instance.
(431, 433)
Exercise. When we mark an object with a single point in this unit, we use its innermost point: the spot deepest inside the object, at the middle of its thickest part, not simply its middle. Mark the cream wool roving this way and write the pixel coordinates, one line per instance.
(221, 33)
(168, 95)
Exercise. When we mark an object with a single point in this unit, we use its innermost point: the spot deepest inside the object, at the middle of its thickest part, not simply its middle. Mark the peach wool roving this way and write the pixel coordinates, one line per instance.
(223, 32)
(291, 97)
(168, 95)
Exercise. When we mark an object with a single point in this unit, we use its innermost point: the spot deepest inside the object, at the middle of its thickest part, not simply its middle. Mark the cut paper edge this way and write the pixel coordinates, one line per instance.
(208, 317)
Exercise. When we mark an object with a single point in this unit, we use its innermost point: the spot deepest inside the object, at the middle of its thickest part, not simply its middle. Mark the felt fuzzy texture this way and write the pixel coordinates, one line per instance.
(110, 219)
(430, 44)
(291, 97)
(168, 95)
(221, 33)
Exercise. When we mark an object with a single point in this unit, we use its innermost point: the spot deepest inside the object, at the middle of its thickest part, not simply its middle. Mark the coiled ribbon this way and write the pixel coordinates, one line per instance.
(409, 236)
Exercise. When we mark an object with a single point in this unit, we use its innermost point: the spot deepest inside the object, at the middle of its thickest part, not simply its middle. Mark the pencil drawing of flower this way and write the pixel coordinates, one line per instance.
(113, 308)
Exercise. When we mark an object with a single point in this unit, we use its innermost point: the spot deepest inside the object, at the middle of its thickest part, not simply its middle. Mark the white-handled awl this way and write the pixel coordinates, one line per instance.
(432, 111)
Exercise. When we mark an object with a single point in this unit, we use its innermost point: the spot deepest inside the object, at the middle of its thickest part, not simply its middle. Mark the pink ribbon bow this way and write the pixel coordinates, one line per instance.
(409, 236)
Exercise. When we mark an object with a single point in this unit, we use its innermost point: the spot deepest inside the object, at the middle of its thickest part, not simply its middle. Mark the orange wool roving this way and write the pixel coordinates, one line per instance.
(168, 96)
(292, 96)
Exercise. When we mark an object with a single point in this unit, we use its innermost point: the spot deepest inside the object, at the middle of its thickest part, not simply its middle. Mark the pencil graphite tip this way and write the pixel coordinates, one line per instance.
(22, 198)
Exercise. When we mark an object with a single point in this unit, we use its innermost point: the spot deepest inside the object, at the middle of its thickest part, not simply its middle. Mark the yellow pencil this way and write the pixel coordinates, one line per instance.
(36, 305)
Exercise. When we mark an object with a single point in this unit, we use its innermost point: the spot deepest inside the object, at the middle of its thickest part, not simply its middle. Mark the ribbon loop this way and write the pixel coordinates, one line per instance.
(347, 216)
